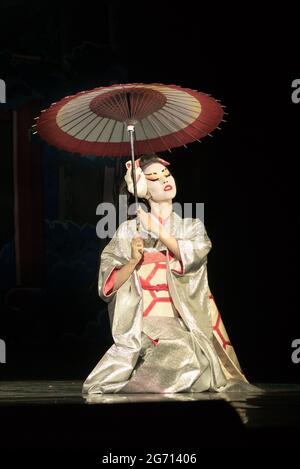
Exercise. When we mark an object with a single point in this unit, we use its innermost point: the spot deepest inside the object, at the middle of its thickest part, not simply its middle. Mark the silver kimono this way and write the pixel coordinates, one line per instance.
(194, 353)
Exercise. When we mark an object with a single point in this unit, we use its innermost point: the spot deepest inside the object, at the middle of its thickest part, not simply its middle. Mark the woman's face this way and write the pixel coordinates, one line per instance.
(161, 184)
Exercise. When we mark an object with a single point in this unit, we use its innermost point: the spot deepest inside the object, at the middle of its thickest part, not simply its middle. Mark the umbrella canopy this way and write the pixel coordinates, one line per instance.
(95, 122)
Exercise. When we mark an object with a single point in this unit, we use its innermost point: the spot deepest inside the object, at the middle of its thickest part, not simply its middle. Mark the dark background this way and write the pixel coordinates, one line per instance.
(51, 318)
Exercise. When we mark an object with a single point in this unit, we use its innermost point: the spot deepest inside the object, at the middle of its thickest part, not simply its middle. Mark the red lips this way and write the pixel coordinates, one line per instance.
(168, 187)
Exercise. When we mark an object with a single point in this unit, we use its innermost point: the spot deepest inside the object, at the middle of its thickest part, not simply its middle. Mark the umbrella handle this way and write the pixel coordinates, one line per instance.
(130, 130)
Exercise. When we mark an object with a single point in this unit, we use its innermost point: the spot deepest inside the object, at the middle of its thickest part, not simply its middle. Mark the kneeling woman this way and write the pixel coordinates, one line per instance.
(168, 334)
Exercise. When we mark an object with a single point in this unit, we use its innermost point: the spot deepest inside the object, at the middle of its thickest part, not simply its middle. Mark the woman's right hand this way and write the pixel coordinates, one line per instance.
(137, 249)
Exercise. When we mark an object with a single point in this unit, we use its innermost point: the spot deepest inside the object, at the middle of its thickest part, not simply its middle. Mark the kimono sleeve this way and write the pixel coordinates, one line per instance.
(194, 245)
(115, 254)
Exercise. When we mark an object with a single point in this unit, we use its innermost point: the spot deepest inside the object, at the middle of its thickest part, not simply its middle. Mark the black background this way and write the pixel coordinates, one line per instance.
(246, 174)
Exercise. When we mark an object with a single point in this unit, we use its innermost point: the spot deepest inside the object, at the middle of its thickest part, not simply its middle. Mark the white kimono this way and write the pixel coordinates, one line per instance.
(168, 333)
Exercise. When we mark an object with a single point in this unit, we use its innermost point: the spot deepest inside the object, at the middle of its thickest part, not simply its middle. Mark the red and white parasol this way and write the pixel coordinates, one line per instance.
(125, 119)
(96, 122)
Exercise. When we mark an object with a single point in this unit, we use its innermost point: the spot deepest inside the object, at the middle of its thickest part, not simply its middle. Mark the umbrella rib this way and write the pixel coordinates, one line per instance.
(66, 110)
(192, 99)
(93, 128)
(189, 123)
(77, 123)
(185, 122)
(73, 105)
(153, 127)
(183, 94)
(181, 105)
(80, 102)
(185, 107)
(131, 101)
(112, 130)
(128, 102)
(192, 124)
(120, 107)
(166, 109)
(124, 102)
(143, 103)
(135, 104)
(146, 138)
(97, 139)
(174, 128)
(50, 118)
(73, 113)
(182, 108)
(181, 98)
(77, 117)
(190, 135)
(82, 128)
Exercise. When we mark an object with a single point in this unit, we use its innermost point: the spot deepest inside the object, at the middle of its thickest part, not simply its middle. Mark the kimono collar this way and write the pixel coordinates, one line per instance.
(161, 220)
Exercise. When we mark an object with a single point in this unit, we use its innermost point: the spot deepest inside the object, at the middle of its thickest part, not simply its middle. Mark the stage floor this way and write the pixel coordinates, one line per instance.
(36, 408)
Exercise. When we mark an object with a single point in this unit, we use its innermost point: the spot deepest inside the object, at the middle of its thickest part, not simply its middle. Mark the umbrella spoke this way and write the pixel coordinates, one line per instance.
(174, 130)
(64, 124)
(184, 110)
(110, 132)
(68, 129)
(98, 121)
(117, 134)
(188, 122)
(184, 129)
(147, 140)
(134, 103)
(143, 103)
(102, 130)
(180, 114)
(120, 105)
(176, 116)
(154, 126)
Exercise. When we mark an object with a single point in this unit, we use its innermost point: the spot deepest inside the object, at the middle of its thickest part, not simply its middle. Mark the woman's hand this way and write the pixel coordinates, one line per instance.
(137, 249)
(151, 224)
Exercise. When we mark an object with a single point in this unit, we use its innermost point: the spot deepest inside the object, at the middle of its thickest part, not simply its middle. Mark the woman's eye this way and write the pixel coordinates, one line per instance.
(165, 173)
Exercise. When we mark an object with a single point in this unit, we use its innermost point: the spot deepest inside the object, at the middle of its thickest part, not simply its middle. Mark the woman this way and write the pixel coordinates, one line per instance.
(168, 334)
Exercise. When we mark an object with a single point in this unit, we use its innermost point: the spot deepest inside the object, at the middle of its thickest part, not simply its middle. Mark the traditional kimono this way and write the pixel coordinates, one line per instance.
(168, 333)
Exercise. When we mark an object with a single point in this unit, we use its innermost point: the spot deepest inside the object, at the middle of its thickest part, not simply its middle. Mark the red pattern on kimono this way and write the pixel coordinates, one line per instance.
(152, 275)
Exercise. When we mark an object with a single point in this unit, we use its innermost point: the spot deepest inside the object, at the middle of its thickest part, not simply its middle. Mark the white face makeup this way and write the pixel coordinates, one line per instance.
(161, 184)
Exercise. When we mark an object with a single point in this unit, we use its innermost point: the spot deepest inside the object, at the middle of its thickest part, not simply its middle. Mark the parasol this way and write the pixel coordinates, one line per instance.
(125, 119)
